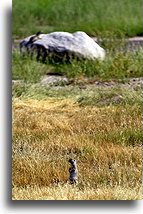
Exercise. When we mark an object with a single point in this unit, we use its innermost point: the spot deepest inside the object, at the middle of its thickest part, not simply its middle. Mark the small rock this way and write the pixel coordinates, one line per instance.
(54, 80)
(17, 82)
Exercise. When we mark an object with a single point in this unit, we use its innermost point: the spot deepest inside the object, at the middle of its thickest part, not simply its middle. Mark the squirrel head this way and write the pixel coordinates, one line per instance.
(72, 161)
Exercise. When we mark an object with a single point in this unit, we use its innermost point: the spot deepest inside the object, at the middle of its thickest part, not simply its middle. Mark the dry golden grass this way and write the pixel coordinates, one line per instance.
(67, 192)
(105, 142)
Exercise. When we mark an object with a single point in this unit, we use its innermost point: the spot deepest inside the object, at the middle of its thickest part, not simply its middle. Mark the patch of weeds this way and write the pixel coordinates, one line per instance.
(27, 69)
(112, 41)
(110, 96)
(120, 66)
(130, 137)
(19, 90)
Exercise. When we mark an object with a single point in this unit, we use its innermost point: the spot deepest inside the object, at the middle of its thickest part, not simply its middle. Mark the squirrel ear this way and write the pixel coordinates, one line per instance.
(70, 160)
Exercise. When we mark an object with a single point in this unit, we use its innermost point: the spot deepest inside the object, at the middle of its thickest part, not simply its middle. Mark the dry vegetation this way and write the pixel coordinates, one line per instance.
(106, 142)
(66, 192)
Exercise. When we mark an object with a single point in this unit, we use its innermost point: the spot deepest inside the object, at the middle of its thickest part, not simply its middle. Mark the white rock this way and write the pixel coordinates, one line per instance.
(63, 43)
(54, 79)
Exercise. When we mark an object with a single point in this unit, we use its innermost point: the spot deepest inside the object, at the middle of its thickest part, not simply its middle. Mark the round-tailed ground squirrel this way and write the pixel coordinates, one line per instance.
(73, 171)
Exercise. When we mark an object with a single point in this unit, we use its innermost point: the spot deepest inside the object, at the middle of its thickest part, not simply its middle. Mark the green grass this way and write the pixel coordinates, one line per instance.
(110, 96)
(90, 96)
(94, 16)
(120, 66)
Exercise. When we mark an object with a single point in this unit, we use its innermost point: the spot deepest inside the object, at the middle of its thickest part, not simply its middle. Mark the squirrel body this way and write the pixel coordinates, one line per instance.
(73, 171)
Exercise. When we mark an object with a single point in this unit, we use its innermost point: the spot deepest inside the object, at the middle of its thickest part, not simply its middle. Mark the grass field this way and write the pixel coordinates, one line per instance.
(50, 128)
(47, 133)
(97, 124)
(95, 17)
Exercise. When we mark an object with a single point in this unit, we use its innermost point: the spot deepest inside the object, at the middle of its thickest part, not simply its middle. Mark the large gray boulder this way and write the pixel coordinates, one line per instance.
(62, 44)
